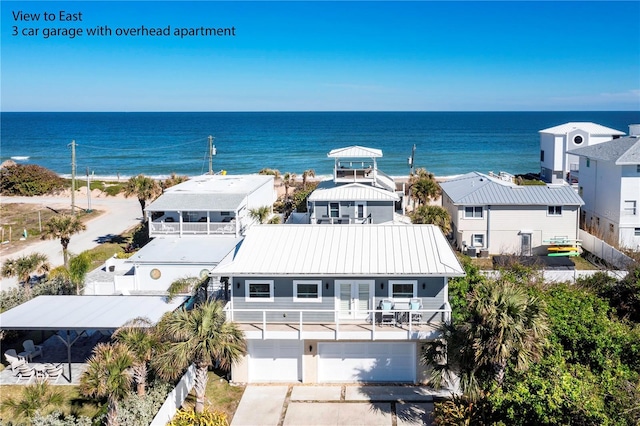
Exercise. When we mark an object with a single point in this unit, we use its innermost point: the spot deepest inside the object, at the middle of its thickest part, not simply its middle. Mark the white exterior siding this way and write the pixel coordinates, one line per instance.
(506, 223)
(605, 188)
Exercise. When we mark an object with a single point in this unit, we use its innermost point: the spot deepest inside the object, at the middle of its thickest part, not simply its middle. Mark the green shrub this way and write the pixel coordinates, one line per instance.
(206, 418)
(59, 419)
(29, 180)
(113, 189)
(138, 410)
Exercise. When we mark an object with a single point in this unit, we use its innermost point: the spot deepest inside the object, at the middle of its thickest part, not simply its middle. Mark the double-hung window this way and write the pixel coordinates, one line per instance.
(307, 291)
(259, 290)
(477, 240)
(473, 212)
(334, 209)
(630, 208)
(554, 211)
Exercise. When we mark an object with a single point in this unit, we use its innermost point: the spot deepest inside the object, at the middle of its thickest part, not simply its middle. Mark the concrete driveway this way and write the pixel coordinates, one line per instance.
(314, 405)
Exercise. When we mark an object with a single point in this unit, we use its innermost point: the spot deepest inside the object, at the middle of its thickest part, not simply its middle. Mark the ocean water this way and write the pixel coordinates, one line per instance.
(157, 144)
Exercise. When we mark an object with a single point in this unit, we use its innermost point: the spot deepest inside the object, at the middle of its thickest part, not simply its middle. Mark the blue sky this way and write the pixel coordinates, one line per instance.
(327, 56)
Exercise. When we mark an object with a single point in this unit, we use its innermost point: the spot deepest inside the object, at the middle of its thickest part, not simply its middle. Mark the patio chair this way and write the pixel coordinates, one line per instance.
(387, 316)
(14, 359)
(31, 349)
(415, 305)
(25, 374)
(53, 372)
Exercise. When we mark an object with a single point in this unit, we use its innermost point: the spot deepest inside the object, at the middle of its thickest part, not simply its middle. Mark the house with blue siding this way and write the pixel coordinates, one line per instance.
(358, 193)
(327, 304)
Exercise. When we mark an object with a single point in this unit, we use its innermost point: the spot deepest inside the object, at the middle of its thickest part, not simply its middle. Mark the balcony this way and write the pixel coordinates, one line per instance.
(161, 227)
(291, 324)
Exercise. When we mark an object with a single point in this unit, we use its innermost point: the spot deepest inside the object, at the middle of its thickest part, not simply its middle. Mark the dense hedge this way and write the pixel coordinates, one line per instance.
(590, 373)
(29, 180)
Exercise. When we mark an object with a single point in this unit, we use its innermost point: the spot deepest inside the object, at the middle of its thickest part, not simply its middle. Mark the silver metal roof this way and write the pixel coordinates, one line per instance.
(591, 128)
(210, 193)
(178, 201)
(85, 312)
(478, 189)
(623, 151)
(187, 250)
(345, 250)
(355, 152)
(351, 192)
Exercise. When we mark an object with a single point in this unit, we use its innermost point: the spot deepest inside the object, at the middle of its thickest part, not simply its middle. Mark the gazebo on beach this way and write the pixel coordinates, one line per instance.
(79, 314)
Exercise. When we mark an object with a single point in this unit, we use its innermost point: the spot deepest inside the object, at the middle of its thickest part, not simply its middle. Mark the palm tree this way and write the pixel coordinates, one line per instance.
(261, 214)
(35, 398)
(63, 226)
(201, 336)
(79, 266)
(505, 325)
(22, 267)
(423, 186)
(108, 375)
(435, 215)
(143, 187)
(138, 335)
(289, 179)
(305, 175)
(173, 180)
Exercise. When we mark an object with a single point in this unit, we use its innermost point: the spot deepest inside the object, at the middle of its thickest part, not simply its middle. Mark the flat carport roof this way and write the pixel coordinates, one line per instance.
(80, 313)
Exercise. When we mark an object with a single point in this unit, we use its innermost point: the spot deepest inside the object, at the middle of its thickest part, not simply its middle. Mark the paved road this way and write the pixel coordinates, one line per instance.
(120, 215)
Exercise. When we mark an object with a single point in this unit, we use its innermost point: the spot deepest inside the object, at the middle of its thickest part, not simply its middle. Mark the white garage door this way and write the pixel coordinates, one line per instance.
(274, 360)
(367, 362)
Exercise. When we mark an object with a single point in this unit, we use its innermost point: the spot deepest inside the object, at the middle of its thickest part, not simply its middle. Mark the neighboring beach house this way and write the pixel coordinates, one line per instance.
(610, 186)
(501, 217)
(194, 225)
(307, 298)
(557, 163)
(358, 193)
(210, 205)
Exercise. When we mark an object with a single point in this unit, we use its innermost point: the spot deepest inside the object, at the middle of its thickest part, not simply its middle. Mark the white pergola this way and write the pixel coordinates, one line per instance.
(81, 313)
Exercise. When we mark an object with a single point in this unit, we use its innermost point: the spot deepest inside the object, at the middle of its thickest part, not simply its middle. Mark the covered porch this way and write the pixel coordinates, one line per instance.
(79, 323)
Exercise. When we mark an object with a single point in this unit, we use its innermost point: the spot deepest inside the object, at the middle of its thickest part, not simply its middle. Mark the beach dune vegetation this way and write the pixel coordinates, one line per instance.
(29, 180)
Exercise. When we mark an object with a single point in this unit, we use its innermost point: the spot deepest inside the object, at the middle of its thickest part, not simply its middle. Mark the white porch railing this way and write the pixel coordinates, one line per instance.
(191, 228)
(403, 320)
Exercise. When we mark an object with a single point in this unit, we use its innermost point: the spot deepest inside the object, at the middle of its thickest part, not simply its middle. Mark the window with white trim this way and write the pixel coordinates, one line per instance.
(334, 209)
(638, 168)
(259, 290)
(473, 212)
(554, 211)
(636, 232)
(307, 291)
(477, 240)
(630, 208)
(406, 289)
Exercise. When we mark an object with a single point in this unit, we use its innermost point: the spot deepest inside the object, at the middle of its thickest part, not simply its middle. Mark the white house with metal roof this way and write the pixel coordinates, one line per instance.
(502, 217)
(307, 298)
(194, 225)
(610, 186)
(556, 161)
(210, 205)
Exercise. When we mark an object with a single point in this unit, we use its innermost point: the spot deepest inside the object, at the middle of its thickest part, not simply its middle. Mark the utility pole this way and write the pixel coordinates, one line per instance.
(212, 152)
(73, 176)
(88, 192)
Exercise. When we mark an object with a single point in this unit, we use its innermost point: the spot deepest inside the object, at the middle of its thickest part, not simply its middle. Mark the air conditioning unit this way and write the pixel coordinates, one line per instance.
(471, 251)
